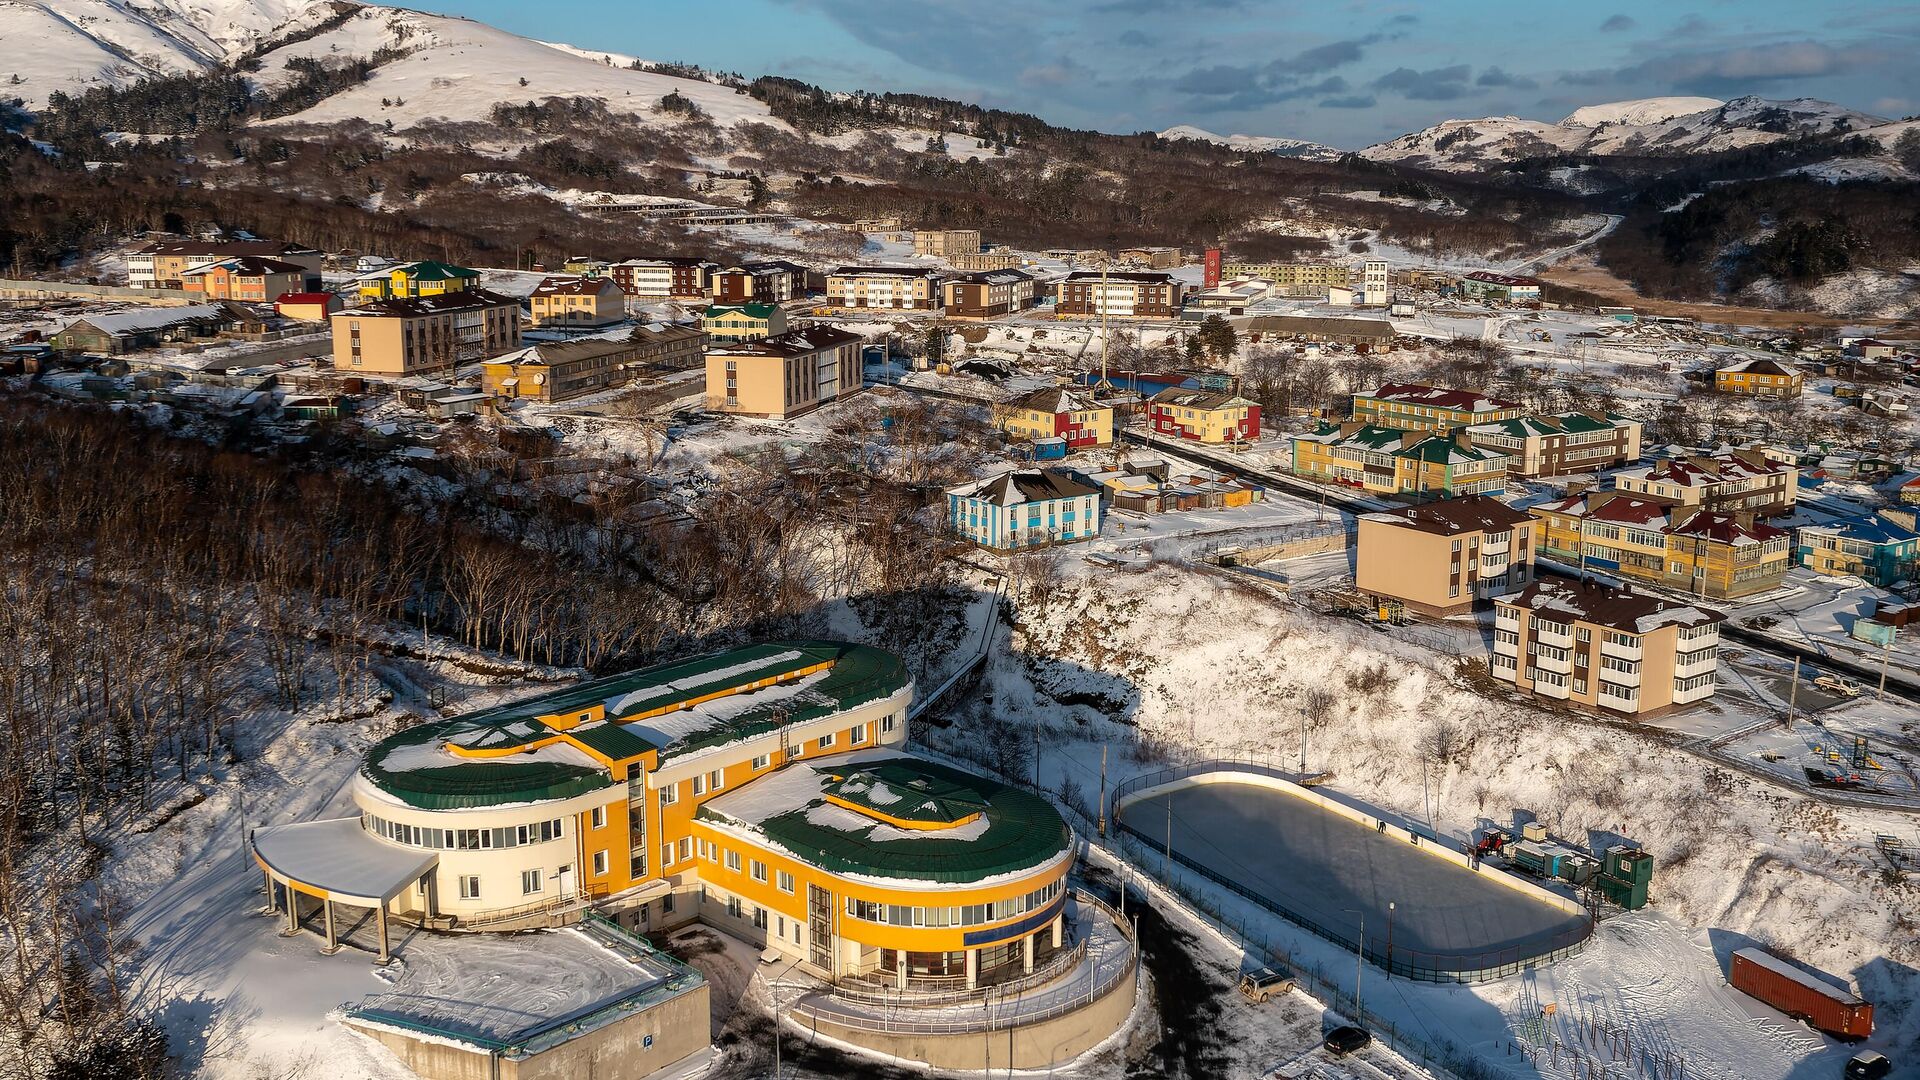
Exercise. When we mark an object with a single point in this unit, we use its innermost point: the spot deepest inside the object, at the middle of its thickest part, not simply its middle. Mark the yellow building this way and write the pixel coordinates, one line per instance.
(559, 370)
(765, 791)
(417, 279)
(784, 375)
(1391, 461)
(1734, 481)
(425, 334)
(1606, 650)
(1416, 407)
(1058, 413)
(1760, 377)
(896, 288)
(1440, 557)
(946, 242)
(1203, 416)
(586, 302)
(1686, 549)
(743, 322)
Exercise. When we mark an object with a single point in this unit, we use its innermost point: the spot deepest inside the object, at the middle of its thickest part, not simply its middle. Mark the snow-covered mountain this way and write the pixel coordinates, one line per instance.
(1299, 148)
(71, 45)
(1653, 127)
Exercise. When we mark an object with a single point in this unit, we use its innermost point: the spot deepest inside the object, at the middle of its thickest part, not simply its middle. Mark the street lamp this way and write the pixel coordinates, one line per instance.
(1390, 907)
(1359, 966)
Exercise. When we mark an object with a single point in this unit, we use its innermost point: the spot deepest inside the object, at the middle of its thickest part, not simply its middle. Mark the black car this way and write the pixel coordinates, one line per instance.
(1868, 1065)
(1342, 1041)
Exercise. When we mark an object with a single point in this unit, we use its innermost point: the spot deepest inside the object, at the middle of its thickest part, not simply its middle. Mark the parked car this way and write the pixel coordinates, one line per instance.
(1869, 1065)
(1342, 1041)
(1260, 986)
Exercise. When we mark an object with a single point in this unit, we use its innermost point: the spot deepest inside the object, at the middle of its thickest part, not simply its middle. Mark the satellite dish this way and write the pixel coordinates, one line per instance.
(539, 379)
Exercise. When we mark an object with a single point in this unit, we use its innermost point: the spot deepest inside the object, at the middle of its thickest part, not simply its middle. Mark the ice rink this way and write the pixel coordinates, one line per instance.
(1334, 871)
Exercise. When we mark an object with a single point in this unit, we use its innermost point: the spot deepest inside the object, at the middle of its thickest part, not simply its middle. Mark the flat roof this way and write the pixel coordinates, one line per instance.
(987, 829)
(339, 857)
(675, 710)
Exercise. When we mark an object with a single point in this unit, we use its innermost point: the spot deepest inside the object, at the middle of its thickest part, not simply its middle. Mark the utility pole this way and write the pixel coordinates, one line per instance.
(1103, 792)
(1169, 806)
(1390, 907)
(1793, 693)
(1885, 651)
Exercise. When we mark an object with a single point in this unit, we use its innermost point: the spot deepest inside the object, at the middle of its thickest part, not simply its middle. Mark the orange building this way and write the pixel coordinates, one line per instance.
(765, 791)
(248, 278)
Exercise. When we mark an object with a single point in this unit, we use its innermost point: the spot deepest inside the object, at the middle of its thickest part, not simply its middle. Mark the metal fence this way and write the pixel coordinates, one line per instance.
(1144, 851)
(998, 1010)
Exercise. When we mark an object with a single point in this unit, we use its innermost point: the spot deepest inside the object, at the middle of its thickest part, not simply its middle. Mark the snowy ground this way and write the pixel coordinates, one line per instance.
(1103, 658)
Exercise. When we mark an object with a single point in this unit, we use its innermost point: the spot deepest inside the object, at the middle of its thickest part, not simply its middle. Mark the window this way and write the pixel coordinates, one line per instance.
(785, 881)
(470, 887)
(759, 871)
(760, 918)
(716, 780)
(733, 906)
(826, 740)
(669, 794)
(599, 863)
(599, 817)
(686, 847)
(666, 904)
(529, 882)
(733, 861)
(856, 736)
(761, 761)
(666, 854)
(699, 785)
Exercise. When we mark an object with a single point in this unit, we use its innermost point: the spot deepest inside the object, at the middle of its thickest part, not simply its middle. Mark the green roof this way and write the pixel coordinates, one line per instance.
(404, 765)
(430, 270)
(1023, 831)
(751, 311)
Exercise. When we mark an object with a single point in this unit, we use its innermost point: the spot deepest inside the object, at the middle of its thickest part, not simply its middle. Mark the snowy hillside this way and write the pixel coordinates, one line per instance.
(73, 44)
(1299, 148)
(457, 70)
(1649, 127)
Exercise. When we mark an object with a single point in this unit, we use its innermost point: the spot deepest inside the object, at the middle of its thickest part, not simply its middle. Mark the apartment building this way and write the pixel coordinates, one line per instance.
(1487, 285)
(1119, 294)
(1205, 416)
(1441, 557)
(1563, 444)
(1418, 407)
(1298, 280)
(757, 283)
(1376, 283)
(1704, 552)
(894, 288)
(577, 302)
(1878, 550)
(247, 278)
(164, 265)
(1606, 650)
(417, 279)
(1732, 481)
(1760, 377)
(945, 242)
(784, 375)
(986, 260)
(1024, 508)
(560, 370)
(986, 294)
(424, 334)
(1058, 413)
(1149, 258)
(1392, 461)
(666, 278)
(743, 322)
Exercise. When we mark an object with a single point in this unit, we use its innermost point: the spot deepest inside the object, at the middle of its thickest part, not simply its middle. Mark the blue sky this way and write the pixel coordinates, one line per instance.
(1345, 73)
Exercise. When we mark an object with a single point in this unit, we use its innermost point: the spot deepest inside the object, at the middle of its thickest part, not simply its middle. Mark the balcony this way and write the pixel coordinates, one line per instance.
(1618, 704)
(1620, 652)
(1548, 663)
(1552, 637)
(1696, 663)
(1547, 689)
(1506, 648)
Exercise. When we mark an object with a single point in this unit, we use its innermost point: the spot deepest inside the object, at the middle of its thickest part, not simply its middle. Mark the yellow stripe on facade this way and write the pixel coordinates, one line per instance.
(901, 823)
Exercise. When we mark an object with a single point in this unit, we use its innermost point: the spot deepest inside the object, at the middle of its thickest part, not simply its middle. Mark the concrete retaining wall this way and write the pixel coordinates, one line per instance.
(1354, 813)
(1291, 549)
(29, 289)
(1044, 1045)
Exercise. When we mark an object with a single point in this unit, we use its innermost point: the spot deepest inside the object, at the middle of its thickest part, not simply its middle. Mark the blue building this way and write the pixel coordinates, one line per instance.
(1874, 549)
(1024, 508)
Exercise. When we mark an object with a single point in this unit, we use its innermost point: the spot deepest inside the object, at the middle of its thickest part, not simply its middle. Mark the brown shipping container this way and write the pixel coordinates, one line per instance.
(1800, 995)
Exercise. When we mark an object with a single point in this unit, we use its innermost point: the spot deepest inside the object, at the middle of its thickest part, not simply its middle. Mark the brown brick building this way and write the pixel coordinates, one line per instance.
(1123, 295)
(987, 293)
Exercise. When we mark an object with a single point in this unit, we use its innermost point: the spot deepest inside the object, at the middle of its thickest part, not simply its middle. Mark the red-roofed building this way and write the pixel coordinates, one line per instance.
(1418, 407)
(307, 306)
(1604, 649)
(1058, 413)
(1704, 552)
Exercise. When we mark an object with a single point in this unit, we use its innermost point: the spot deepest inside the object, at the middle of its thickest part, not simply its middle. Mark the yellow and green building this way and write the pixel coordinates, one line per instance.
(1399, 462)
(765, 790)
(417, 279)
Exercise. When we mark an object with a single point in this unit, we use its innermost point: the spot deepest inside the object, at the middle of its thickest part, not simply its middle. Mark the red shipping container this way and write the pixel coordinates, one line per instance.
(1800, 995)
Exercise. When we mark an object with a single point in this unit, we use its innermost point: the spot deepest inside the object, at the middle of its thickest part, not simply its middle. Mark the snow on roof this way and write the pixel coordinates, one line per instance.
(1440, 397)
(1604, 605)
(1018, 486)
(129, 322)
(670, 728)
(1765, 959)
(1468, 513)
(1761, 365)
